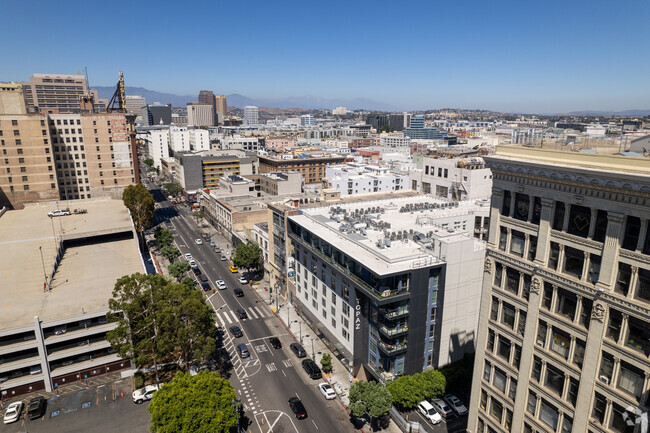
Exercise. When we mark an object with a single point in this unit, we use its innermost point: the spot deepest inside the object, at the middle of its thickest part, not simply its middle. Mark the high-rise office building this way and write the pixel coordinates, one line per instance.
(12, 99)
(134, 105)
(221, 103)
(206, 97)
(564, 335)
(199, 114)
(251, 115)
(377, 121)
(62, 92)
(157, 114)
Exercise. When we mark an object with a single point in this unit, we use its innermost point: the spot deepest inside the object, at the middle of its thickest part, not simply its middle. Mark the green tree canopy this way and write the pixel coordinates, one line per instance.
(170, 252)
(164, 237)
(173, 188)
(141, 204)
(410, 390)
(434, 384)
(326, 362)
(178, 269)
(194, 404)
(369, 398)
(247, 256)
(148, 162)
(189, 282)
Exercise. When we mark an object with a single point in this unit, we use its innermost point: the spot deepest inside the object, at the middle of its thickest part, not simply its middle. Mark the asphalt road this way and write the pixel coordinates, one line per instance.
(269, 377)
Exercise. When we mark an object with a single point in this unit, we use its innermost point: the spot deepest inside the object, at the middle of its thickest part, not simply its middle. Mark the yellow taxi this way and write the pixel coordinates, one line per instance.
(234, 269)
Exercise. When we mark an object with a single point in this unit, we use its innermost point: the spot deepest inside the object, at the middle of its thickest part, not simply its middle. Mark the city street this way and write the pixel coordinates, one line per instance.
(268, 377)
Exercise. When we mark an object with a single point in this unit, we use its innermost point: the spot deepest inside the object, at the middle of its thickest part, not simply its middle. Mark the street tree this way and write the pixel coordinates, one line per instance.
(173, 188)
(369, 398)
(170, 252)
(407, 391)
(201, 403)
(199, 216)
(137, 333)
(189, 282)
(141, 205)
(178, 269)
(148, 162)
(326, 362)
(164, 237)
(434, 384)
(247, 256)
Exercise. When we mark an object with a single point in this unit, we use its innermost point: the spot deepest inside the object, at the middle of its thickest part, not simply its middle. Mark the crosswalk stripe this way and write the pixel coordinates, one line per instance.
(260, 312)
(220, 319)
(251, 311)
(234, 315)
(226, 317)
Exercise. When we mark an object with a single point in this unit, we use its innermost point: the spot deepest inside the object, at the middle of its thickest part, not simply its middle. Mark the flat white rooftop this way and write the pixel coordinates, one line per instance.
(86, 275)
(360, 229)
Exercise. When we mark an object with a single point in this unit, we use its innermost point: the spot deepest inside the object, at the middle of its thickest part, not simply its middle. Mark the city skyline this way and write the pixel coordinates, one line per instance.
(565, 57)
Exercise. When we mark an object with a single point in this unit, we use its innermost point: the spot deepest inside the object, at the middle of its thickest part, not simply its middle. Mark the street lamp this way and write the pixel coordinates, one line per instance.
(235, 406)
(299, 330)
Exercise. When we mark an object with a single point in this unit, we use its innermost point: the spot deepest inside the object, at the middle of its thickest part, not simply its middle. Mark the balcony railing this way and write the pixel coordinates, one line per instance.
(391, 349)
(393, 314)
(393, 331)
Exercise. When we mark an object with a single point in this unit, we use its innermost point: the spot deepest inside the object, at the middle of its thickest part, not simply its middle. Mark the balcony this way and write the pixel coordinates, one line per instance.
(391, 349)
(394, 313)
(391, 332)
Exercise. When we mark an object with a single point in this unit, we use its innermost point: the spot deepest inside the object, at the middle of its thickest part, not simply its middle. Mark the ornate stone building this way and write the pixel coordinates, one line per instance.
(564, 329)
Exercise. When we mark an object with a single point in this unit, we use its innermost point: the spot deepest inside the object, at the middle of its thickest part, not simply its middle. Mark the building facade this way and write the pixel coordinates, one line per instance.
(134, 105)
(12, 99)
(454, 179)
(62, 92)
(564, 335)
(154, 115)
(355, 178)
(312, 169)
(251, 115)
(200, 114)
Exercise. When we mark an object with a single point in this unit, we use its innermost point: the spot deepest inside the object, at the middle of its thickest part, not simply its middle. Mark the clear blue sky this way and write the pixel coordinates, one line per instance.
(551, 56)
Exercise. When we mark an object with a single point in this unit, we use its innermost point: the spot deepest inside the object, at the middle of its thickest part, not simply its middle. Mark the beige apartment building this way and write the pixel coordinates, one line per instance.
(59, 91)
(564, 330)
(63, 156)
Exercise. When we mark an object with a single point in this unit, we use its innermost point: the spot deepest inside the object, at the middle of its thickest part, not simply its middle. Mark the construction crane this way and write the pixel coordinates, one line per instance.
(119, 98)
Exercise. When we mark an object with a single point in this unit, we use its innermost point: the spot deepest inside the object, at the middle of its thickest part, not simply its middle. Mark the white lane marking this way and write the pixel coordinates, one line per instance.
(220, 319)
(225, 316)
(261, 348)
(251, 311)
(259, 311)
(287, 363)
(271, 367)
(285, 374)
(315, 424)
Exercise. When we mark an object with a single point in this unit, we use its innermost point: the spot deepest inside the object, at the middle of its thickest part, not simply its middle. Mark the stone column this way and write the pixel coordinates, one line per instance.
(572, 348)
(576, 319)
(616, 369)
(592, 223)
(513, 200)
(646, 389)
(544, 232)
(565, 388)
(526, 246)
(560, 259)
(624, 325)
(610, 250)
(531, 207)
(642, 234)
(608, 412)
(554, 299)
(520, 286)
(585, 267)
(508, 239)
(542, 376)
(634, 280)
(567, 213)
(495, 214)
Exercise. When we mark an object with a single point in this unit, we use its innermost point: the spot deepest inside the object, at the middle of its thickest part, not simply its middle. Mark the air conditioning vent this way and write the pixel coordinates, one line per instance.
(604, 379)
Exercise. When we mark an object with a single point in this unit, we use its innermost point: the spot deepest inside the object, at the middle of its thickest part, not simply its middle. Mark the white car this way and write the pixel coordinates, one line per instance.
(188, 256)
(221, 285)
(143, 394)
(427, 411)
(192, 263)
(327, 390)
(58, 212)
(242, 280)
(199, 242)
(455, 404)
(13, 412)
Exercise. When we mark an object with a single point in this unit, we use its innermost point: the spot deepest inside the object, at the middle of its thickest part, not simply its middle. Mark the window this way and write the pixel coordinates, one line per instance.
(512, 281)
(554, 379)
(598, 410)
(579, 220)
(505, 207)
(513, 389)
(508, 315)
(572, 395)
(632, 230)
(638, 336)
(496, 410)
(532, 402)
(560, 342)
(504, 348)
(483, 399)
(516, 359)
(537, 369)
(521, 326)
(567, 424)
(522, 204)
(549, 414)
(574, 261)
(517, 243)
(579, 353)
(566, 303)
(500, 380)
(614, 324)
(554, 255)
(643, 287)
(498, 274)
(503, 238)
(547, 296)
(487, 370)
(601, 226)
(532, 248)
(542, 330)
(494, 311)
(490, 342)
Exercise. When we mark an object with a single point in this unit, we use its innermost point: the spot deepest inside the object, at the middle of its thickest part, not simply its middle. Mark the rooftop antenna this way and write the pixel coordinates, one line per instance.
(87, 80)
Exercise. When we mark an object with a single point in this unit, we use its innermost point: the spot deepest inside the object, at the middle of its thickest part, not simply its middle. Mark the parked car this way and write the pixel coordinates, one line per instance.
(243, 350)
(196, 270)
(221, 285)
(58, 212)
(298, 350)
(199, 242)
(238, 292)
(241, 313)
(312, 369)
(36, 407)
(206, 287)
(327, 391)
(223, 258)
(456, 405)
(236, 331)
(242, 280)
(13, 412)
(429, 412)
(442, 407)
(203, 278)
(36, 369)
(60, 330)
(193, 263)
(297, 408)
(188, 256)
(217, 250)
(144, 394)
(212, 244)
(233, 269)
(275, 343)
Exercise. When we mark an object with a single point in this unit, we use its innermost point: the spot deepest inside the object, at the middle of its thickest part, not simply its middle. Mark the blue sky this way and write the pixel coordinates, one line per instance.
(552, 56)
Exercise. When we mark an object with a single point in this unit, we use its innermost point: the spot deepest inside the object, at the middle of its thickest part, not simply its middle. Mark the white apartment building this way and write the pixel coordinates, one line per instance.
(395, 142)
(252, 144)
(157, 144)
(340, 111)
(200, 115)
(354, 178)
(307, 120)
(454, 179)
(179, 138)
(199, 139)
(251, 115)
(261, 238)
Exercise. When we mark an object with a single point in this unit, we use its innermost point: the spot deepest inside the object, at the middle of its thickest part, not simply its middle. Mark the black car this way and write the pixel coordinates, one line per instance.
(297, 408)
(36, 407)
(203, 278)
(206, 287)
(238, 292)
(275, 342)
(196, 270)
(298, 350)
(236, 331)
(241, 313)
(312, 369)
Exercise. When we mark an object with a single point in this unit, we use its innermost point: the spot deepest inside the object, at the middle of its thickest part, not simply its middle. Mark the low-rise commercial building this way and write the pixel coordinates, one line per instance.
(464, 178)
(203, 170)
(311, 167)
(355, 178)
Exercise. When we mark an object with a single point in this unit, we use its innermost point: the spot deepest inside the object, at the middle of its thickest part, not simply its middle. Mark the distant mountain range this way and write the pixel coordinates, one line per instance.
(240, 101)
(626, 113)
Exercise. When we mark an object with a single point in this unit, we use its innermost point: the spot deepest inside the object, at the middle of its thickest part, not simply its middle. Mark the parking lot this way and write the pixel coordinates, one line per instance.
(453, 424)
(100, 408)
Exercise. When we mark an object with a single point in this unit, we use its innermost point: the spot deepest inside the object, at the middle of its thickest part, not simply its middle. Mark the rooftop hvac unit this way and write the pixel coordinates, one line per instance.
(380, 243)
(387, 242)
